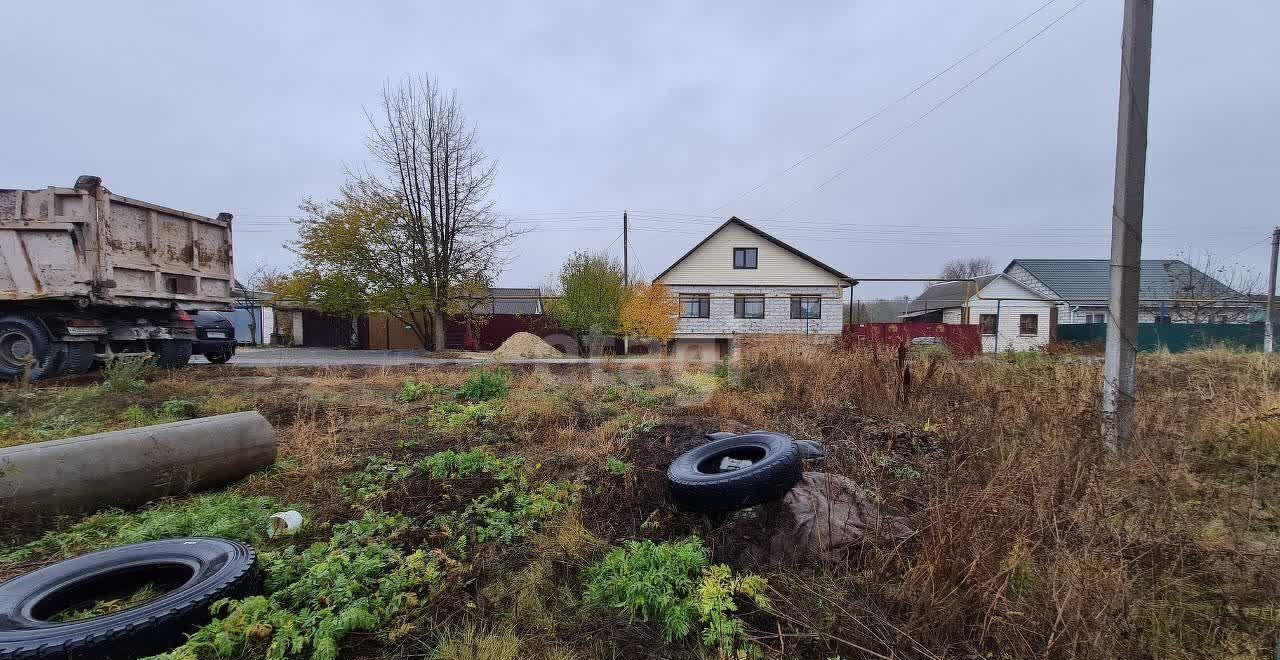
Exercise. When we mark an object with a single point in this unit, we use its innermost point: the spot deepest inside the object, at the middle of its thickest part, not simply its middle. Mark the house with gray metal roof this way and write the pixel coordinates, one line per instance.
(1172, 291)
(1010, 315)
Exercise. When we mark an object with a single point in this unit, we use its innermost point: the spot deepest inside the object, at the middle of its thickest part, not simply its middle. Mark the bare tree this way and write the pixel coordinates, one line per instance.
(434, 168)
(1207, 289)
(966, 267)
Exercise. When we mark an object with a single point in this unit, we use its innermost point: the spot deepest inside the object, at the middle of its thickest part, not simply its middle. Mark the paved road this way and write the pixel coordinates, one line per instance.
(332, 357)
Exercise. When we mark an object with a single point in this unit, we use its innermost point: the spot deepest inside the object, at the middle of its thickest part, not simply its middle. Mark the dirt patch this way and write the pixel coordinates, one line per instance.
(525, 345)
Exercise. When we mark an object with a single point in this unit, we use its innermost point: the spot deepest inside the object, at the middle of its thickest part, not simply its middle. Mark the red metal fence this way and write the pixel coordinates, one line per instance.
(962, 340)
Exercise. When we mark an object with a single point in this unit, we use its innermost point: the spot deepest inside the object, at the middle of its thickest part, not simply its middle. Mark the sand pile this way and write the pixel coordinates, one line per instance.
(525, 345)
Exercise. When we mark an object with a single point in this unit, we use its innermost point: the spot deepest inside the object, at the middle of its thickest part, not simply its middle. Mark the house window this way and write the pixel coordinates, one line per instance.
(1029, 324)
(988, 323)
(695, 306)
(806, 307)
(1095, 318)
(745, 257)
(748, 307)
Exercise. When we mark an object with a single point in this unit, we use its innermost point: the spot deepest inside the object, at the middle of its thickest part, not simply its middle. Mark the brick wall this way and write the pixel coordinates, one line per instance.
(777, 314)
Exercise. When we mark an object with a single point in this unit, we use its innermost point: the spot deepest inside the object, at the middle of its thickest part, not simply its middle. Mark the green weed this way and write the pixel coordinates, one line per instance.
(616, 467)
(147, 593)
(412, 390)
(675, 585)
(357, 581)
(128, 374)
(486, 385)
(227, 515)
(456, 418)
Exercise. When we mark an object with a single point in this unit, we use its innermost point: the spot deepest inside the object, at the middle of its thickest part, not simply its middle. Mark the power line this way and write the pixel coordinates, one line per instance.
(941, 103)
(869, 118)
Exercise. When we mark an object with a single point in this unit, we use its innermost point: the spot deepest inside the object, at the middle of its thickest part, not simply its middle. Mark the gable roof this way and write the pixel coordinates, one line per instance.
(947, 294)
(507, 300)
(1089, 280)
(954, 294)
(735, 220)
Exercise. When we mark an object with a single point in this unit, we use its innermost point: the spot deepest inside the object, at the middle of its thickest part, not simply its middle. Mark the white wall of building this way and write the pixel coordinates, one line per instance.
(712, 264)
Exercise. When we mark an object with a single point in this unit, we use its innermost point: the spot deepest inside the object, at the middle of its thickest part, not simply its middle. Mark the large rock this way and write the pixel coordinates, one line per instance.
(828, 513)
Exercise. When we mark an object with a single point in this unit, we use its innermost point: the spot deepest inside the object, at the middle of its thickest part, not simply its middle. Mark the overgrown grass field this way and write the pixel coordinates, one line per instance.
(503, 513)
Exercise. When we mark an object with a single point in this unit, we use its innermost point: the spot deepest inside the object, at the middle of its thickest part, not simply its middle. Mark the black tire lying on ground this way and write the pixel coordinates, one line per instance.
(200, 570)
(698, 485)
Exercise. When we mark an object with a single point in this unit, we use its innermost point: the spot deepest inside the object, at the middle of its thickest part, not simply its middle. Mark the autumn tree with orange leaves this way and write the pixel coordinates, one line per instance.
(650, 311)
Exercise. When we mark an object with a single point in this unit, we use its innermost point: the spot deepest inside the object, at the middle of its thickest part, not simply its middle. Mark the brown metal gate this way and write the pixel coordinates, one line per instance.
(322, 330)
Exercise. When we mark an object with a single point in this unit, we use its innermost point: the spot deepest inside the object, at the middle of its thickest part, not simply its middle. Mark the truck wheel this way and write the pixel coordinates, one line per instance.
(25, 340)
(171, 353)
(77, 357)
(195, 571)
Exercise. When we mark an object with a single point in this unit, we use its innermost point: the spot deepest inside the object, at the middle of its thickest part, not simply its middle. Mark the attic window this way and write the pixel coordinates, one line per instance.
(745, 257)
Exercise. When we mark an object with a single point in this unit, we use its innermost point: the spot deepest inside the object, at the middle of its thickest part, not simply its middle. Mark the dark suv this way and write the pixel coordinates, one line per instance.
(215, 337)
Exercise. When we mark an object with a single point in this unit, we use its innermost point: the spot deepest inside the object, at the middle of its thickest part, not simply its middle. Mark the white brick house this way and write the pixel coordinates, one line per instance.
(1011, 315)
(739, 281)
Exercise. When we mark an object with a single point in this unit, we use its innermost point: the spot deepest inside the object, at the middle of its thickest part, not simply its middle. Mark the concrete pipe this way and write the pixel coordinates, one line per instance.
(124, 468)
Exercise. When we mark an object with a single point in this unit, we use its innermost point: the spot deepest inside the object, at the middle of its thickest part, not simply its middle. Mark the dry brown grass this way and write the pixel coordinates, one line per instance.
(1031, 540)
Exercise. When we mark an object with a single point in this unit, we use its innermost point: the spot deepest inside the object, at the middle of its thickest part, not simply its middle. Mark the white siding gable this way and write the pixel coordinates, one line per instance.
(712, 264)
(1009, 335)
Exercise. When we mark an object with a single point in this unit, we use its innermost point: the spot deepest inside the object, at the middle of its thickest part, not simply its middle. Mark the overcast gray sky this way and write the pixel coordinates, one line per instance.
(673, 111)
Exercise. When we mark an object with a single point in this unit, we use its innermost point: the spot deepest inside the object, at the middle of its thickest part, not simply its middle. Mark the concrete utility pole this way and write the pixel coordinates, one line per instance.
(626, 274)
(1269, 343)
(1119, 377)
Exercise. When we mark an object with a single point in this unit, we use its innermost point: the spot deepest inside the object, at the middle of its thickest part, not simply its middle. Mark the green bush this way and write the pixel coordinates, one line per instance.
(675, 585)
(127, 374)
(486, 385)
(178, 409)
(651, 581)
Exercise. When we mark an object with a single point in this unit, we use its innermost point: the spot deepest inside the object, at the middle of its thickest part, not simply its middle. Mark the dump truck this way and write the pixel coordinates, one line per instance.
(86, 274)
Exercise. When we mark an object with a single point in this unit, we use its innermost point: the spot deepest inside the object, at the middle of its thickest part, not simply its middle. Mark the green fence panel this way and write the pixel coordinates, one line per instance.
(1177, 337)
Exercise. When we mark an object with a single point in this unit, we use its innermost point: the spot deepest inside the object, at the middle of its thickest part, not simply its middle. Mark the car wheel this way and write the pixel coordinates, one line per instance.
(197, 571)
(218, 358)
(760, 467)
(25, 341)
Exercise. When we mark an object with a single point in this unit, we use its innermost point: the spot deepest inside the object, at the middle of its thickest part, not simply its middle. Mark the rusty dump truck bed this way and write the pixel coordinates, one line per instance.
(90, 245)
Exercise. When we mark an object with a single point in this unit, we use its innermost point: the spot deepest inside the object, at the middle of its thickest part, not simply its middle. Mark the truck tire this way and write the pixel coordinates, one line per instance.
(77, 357)
(698, 484)
(200, 570)
(172, 353)
(24, 339)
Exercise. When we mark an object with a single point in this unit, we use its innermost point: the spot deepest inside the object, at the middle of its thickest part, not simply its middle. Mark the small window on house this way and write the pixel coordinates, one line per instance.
(748, 307)
(745, 257)
(1029, 324)
(1095, 318)
(988, 323)
(806, 307)
(695, 306)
